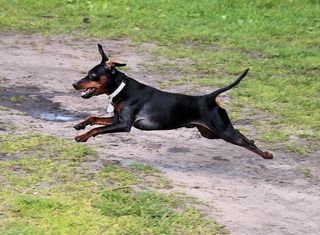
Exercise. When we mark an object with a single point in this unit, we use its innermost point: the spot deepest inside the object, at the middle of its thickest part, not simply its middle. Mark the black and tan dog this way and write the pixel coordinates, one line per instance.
(148, 108)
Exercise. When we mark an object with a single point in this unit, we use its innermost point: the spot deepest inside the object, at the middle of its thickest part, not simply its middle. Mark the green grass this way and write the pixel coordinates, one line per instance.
(146, 169)
(47, 187)
(16, 99)
(307, 173)
(278, 39)
(2, 108)
(53, 147)
(302, 150)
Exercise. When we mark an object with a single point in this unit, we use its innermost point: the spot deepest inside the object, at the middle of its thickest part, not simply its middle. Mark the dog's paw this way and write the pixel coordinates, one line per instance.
(81, 138)
(79, 126)
(267, 155)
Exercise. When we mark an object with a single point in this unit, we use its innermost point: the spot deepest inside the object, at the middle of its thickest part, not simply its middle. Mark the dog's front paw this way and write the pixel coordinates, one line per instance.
(81, 138)
(79, 126)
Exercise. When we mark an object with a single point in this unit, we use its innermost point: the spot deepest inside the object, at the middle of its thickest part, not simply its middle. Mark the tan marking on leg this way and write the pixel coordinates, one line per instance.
(85, 136)
(218, 100)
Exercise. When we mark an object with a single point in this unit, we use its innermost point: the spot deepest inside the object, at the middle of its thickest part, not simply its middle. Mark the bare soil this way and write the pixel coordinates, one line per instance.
(247, 194)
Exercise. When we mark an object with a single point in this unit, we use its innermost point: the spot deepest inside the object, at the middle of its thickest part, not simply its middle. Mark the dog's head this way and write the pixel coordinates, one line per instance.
(100, 78)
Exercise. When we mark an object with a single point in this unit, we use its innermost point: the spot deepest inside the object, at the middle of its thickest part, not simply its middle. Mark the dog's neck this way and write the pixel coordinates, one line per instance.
(117, 78)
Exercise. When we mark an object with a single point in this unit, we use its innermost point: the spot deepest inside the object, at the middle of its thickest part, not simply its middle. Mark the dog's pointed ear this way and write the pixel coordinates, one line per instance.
(110, 64)
(117, 64)
(104, 57)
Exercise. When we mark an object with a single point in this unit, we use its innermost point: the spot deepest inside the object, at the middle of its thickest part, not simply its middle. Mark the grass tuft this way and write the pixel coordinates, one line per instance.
(144, 168)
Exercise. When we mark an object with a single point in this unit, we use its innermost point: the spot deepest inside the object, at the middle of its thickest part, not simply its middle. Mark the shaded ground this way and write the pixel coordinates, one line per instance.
(244, 192)
(31, 101)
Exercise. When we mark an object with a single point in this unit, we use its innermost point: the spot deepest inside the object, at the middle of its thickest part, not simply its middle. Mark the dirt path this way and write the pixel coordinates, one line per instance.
(244, 192)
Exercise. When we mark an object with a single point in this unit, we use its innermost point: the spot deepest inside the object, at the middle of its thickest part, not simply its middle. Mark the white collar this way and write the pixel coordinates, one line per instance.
(117, 91)
(110, 108)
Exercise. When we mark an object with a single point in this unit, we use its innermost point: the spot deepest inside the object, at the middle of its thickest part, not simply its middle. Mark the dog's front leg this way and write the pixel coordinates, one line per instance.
(93, 121)
(122, 125)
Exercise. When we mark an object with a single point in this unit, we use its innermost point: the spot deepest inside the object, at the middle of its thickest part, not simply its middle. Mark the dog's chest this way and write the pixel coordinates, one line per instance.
(144, 121)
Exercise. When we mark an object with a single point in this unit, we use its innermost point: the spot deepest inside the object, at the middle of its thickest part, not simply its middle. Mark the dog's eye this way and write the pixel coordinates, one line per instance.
(92, 75)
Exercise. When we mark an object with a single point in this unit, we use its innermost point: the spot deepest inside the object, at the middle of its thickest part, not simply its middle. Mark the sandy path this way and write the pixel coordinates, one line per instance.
(244, 192)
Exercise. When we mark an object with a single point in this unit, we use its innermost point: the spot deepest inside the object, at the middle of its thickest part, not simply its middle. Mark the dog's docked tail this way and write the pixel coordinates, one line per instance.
(217, 92)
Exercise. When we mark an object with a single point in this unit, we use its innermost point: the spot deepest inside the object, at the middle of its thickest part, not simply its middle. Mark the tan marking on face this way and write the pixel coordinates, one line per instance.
(100, 85)
(102, 88)
(90, 84)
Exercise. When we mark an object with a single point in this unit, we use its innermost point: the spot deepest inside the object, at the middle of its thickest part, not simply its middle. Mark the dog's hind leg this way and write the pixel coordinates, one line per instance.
(225, 130)
(206, 132)
(235, 137)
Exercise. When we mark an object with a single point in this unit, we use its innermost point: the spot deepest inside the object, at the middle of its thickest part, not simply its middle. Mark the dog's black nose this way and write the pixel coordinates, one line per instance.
(75, 85)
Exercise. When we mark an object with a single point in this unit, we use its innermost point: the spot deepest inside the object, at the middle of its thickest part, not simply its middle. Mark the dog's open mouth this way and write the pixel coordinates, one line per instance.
(86, 93)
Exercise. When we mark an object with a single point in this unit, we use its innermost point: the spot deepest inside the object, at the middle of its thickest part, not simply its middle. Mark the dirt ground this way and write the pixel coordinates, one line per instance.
(242, 191)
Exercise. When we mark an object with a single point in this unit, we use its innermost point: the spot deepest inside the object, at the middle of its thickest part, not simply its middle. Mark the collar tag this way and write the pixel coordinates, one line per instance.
(110, 108)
